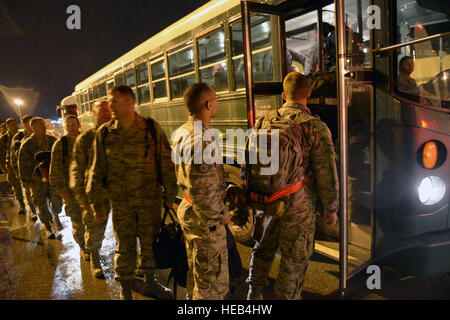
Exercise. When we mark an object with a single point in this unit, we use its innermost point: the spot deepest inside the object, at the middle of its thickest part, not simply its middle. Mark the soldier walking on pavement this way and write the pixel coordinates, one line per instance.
(79, 171)
(292, 229)
(131, 164)
(14, 155)
(202, 213)
(59, 179)
(6, 164)
(41, 191)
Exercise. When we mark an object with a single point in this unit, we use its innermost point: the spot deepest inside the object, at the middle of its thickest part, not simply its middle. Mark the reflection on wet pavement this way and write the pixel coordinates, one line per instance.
(53, 269)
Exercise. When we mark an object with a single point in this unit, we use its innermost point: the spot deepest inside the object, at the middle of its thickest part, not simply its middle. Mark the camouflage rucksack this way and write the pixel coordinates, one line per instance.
(265, 188)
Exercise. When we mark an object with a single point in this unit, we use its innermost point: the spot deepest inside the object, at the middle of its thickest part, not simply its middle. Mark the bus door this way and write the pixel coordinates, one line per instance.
(312, 44)
(356, 135)
(308, 43)
(264, 66)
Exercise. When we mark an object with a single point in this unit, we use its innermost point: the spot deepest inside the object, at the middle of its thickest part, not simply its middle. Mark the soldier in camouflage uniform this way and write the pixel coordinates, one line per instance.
(13, 158)
(59, 179)
(3, 129)
(130, 166)
(7, 274)
(293, 229)
(202, 213)
(6, 164)
(79, 170)
(41, 191)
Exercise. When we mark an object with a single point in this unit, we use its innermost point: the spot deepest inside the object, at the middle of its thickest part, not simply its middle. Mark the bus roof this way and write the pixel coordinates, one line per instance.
(189, 22)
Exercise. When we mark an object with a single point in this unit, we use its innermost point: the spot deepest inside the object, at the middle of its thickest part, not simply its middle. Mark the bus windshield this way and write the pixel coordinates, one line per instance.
(423, 68)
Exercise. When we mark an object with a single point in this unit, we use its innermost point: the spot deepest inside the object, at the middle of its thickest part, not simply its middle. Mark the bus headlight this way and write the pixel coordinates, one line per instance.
(431, 190)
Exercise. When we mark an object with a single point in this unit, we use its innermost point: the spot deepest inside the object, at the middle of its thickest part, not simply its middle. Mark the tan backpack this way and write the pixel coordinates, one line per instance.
(265, 190)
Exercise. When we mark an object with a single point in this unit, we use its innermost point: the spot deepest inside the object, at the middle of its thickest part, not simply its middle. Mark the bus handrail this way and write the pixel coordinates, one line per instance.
(379, 49)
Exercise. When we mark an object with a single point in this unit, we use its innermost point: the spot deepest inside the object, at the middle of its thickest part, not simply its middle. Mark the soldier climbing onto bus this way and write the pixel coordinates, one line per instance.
(285, 202)
(38, 146)
(132, 167)
(79, 170)
(14, 158)
(6, 164)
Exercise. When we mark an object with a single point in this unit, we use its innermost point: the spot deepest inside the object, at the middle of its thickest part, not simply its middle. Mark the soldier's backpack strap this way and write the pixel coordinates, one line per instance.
(151, 127)
(65, 147)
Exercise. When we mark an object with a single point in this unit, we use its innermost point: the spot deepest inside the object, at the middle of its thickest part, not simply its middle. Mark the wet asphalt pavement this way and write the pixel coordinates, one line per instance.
(53, 270)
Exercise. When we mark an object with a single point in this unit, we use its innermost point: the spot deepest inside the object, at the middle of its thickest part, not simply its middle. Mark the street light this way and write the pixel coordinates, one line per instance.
(19, 103)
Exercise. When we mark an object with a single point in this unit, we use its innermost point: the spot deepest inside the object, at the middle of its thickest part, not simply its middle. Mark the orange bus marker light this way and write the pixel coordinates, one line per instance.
(429, 155)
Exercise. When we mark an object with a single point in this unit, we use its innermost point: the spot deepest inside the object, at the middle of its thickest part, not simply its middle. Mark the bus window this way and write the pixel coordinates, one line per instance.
(212, 55)
(357, 34)
(423, 69)
(96, 92)
(91, 94)
(142, 74)
(119, 79)
(237, 49)
(110, 84)
(158, 71)
(102, 90)
(261, 43)
(142, 81)
(179, 85)
(302, 43)
(129, 78)
(180, 63)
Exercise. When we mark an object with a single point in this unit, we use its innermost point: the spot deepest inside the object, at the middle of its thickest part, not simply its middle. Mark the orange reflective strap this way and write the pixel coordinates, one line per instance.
(283, 192)
(186, 196)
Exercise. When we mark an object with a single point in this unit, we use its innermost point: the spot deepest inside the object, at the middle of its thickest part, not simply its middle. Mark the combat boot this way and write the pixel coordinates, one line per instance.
(126, 289)
(48, 231)
(85, 254)
(96, 267)
(254, 293)
(153, 288)
(58, 223)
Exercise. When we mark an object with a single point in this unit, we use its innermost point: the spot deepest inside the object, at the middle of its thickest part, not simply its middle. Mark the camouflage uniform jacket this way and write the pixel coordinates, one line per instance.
(320, 165)
(125, 167)
(5, 146)
(13, 153)
(81, 162)
(204, 183)
(59, 165)
(27, 162)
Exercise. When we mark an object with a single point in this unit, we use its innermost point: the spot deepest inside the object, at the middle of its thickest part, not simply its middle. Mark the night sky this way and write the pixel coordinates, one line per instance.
(50, 59)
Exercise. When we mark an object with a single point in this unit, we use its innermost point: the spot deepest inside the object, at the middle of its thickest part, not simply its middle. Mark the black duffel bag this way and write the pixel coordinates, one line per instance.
(167, 246)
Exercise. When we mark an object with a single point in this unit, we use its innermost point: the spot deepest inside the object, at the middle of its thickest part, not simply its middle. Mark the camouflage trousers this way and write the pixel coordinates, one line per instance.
(207, 253)
(130, 223)
(43, 195)
(7, 274)
(29, 199)
(294, 235)
(16, 186)
(95, 232)
(75, 213)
